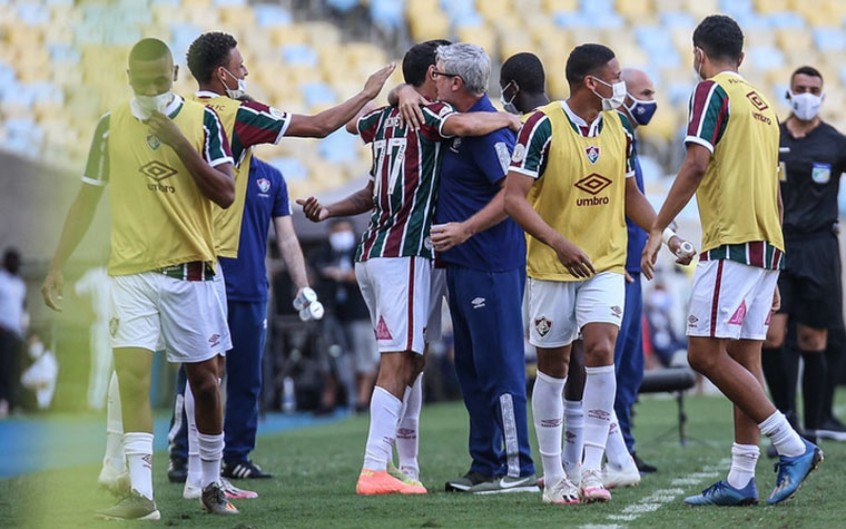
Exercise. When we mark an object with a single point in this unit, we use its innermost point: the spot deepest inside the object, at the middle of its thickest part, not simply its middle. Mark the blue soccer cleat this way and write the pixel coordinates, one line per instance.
(724, 495)
(792, 472)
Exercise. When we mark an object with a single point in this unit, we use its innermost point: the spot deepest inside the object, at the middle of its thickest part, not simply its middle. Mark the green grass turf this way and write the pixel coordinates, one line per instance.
(316, 470)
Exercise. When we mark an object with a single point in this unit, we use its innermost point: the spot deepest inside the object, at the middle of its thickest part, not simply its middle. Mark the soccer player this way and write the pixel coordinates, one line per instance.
(810, 284)
(218, 66)
(393, 262)
(580, 158)
(484, 253)
(522, 82)
(167, 163)
(731, 164)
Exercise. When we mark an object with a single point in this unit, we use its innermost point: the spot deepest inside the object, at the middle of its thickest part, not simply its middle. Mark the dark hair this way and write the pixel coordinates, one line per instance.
(810, 71)
(417, 60)
(526, 70)
(720, 38)
(149, 49)
(210, 51)
(586, 59)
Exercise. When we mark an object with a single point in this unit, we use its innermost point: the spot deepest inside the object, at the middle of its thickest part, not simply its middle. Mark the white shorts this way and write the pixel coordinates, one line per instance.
(559, 309)
(396, 290)
(220, 286)
(153, 311)
(437, 293)
(731, 300)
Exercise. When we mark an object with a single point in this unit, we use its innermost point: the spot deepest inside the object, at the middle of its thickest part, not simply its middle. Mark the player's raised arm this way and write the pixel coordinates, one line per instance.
(326, 122)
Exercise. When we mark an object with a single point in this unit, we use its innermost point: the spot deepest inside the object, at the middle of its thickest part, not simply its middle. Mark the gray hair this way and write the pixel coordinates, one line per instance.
(468, 61)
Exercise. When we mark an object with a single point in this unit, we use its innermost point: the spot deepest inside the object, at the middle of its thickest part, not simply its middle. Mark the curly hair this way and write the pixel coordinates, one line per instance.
(210, 51)
(720, 37)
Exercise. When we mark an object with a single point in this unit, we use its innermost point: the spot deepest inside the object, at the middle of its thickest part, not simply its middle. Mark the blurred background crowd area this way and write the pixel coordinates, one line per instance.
(63, 62)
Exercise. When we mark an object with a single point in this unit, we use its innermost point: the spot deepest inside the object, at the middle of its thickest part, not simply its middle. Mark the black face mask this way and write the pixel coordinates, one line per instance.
(12, 265)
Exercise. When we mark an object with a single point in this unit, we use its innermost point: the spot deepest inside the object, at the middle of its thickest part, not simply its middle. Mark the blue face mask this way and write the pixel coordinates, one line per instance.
(642, 111)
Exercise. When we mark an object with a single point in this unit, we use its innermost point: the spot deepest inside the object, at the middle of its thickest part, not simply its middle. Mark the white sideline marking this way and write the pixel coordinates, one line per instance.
(661, 497)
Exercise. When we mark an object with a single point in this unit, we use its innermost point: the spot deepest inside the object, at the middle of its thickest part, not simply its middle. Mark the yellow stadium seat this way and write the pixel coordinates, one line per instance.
(428, 26)
(555, 6)
(480, 36)
(635, 9)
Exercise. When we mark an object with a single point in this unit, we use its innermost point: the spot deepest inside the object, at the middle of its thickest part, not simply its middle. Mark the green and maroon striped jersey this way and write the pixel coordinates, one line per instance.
(405, 172)
(709, 115)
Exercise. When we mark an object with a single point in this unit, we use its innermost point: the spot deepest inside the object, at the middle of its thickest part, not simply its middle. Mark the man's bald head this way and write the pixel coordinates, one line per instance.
(640, 98)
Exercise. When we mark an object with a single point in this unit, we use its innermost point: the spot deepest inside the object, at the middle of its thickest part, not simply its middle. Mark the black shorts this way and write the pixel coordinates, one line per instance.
(810, 284)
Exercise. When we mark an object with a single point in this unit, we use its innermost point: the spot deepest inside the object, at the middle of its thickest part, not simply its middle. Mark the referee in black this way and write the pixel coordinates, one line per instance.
(812, 160)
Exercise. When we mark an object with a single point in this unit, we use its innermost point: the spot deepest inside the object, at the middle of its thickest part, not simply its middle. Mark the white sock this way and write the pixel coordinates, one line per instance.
(784, 438)
(139, 456)
(574, 439)
(195, 468)
(211, 452)
(615, 450)
(600, 388)
(408, 441)
(743, 461)
(384, 417)
(115, 456)
(548, 413)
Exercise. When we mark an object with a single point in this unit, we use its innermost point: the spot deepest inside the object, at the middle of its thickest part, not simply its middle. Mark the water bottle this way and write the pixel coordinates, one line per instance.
(306, 296)
(289, 396)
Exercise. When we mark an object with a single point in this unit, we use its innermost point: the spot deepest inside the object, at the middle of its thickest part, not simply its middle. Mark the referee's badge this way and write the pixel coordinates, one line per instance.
(542, 325)
(592, 154)
(821, 173)
(153, 142)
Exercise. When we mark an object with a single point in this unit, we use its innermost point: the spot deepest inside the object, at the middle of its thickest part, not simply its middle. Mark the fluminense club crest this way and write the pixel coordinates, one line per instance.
(264, 185)
(592, 153)
(153, 142)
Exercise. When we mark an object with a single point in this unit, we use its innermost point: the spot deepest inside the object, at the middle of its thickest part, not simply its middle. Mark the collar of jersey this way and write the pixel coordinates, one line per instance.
(577, 122)
(206, 94)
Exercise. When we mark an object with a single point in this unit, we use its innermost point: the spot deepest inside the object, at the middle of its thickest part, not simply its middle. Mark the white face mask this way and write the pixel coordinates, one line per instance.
(618, 95)
(805, 106)
(145, 105)
(238, 92)
(342, 241)
(508, 105)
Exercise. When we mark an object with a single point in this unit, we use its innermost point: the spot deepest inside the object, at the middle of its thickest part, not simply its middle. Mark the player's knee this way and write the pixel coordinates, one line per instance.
(811, 339)
(773, 342)
(703, 363)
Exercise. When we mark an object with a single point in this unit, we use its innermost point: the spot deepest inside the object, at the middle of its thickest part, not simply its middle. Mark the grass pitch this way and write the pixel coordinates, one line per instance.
(316, 470)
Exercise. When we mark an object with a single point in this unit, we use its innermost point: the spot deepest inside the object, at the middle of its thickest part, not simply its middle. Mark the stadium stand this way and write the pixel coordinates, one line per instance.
(62, 61)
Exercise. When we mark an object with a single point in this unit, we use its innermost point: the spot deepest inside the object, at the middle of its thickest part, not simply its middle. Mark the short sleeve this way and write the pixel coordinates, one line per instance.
(434, 117)
(97, 166)
(258, 124)
(368, 125)
(494, 155)
(532, 147)
(709, 114)
(216, 150)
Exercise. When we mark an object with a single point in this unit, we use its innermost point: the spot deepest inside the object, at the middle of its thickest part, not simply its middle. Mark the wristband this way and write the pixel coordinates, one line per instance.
(667, 235)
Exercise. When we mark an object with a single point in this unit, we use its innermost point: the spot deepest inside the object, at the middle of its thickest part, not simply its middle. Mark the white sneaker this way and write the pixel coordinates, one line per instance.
(114, 480)
(628, 476)
(562, 493)
(591, 487)
(192, 491)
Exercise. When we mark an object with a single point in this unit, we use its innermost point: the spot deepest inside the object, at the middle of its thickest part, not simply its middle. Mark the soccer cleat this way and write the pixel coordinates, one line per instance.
(724, 495)
(506, 484)
(402, 476)
(466, 482)
(628, 476)
(133, 506)
(177, 470)
(192, 491)
(591, 488)
(371, 483)
(114, 480)
(214, 500)
(234, 493)
(792, 471)
(562, 493)
(244, 470)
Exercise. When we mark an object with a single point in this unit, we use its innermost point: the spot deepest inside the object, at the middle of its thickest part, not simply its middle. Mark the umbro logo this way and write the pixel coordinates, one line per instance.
(478, 303)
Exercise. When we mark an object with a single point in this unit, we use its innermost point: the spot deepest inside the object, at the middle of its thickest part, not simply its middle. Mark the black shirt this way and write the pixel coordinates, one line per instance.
(341, 297)
(813, 167)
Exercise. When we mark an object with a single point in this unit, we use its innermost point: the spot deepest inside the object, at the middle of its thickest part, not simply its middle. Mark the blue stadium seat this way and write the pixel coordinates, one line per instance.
(765, 57)
(388, 14)
(317, 93)
(269, 15)
(787, 19)
(342, 5)
(33, 14)
(300, 55)
(339, 147)
(291, 168)
(63, 53)
(830, 39)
